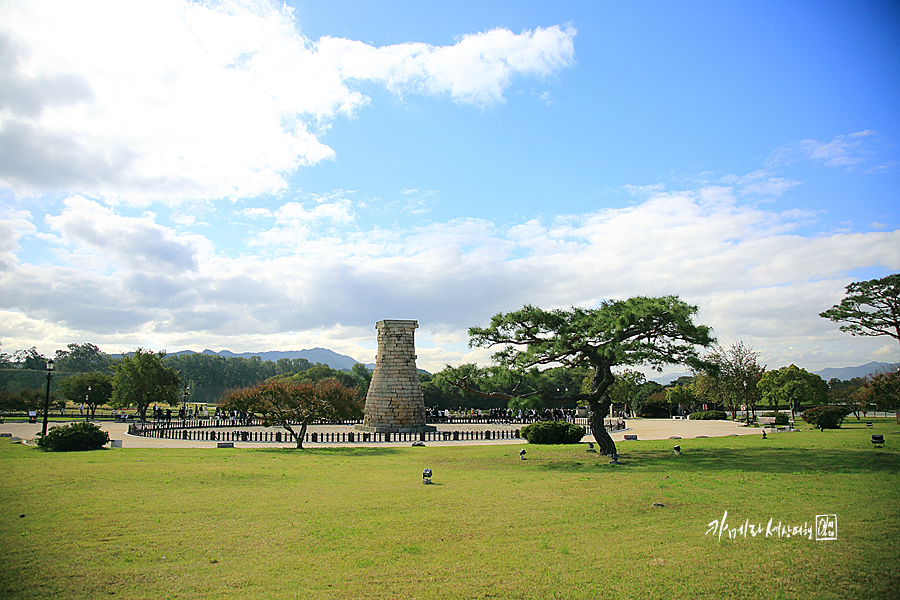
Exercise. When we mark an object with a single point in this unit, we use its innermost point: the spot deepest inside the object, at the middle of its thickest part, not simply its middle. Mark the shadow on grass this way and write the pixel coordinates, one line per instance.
(756, 460)
(358, 451)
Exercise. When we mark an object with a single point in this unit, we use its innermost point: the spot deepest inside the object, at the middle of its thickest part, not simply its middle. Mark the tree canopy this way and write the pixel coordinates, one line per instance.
(211, 375)
(625, 389)
(735, 377)
(651, 331)
(30, 359)
(285, 402)
(852, 393)
(83, 358)
(498, 387)
(94, 389)
(141, 379)
(884, 390)
(870, 308)
(793, 386)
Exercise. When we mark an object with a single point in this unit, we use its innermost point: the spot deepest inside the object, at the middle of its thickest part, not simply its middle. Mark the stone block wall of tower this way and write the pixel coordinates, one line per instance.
(394, 401)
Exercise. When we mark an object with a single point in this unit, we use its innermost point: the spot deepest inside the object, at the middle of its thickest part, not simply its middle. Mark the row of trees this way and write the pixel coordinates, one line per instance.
(76, 358)
(136, 380)
(739, 382)
(659, 331)
(26, 368)
(210, 376)
(85, 375)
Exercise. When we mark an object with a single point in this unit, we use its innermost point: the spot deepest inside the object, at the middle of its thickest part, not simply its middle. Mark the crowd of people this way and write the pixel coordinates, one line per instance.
(433, 415)
(235, 417)
(185, 413)
(501, 415)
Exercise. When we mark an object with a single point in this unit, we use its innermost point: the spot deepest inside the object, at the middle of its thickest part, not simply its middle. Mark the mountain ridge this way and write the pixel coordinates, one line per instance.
(828, 373)
(341, 362)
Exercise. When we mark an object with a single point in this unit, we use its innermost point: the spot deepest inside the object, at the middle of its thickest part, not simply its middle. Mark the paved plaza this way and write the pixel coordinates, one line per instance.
(645, 429)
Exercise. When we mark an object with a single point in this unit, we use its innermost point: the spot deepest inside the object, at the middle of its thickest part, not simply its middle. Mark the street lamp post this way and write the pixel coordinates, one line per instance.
(184, 405)
(746, 403)
(47, 398)
(87, 401)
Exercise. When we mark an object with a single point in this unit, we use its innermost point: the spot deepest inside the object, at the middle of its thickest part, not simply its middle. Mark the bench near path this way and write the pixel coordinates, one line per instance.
(644, 429)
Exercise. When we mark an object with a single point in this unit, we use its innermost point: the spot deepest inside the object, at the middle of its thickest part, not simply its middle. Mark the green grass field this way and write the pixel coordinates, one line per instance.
(359, 523)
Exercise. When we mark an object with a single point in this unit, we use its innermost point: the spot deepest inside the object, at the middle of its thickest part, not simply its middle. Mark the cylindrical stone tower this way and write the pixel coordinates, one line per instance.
(394, 402)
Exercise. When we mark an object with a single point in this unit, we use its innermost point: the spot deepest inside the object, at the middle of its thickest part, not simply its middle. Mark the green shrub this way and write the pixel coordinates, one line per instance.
(826, 417)
(653, 411)
(709, 415)
(74, 437)
(654, 406)
(553, 432)
(780, 418)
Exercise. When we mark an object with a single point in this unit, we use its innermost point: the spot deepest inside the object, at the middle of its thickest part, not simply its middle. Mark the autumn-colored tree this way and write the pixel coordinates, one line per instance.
(883, 389)
(286, 403)
(735, 379)
(852, 394)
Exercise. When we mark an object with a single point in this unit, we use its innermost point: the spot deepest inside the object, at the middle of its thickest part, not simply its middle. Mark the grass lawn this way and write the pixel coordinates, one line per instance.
(359, 523)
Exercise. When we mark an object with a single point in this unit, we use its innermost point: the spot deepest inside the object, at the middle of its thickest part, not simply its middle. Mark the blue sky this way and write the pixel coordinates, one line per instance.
(256, 176)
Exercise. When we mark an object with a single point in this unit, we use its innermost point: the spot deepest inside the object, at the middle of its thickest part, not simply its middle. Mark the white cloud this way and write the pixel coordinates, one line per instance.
(14, 224)
(644, 190)
(753, 277)
(760, 183)
(170, 100)
(476, 70)
(843, 151)
(887, 167)
(297, 227)
(87, 229)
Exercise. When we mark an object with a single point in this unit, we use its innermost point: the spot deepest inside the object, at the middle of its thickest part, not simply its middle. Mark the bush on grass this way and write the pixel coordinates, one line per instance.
(709, 415)
(780, 418)
(553, 432)
(74, 437)
(826, 417)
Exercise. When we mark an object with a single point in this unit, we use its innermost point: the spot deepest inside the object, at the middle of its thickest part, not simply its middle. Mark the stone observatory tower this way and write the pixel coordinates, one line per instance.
(395, 402)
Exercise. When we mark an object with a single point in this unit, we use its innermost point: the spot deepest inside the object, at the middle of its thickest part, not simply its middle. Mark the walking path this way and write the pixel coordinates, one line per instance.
(645, 429)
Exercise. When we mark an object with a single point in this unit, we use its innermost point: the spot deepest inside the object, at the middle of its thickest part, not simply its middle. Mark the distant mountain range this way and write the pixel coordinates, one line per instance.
(314, 355)
(342, 362)
(847, 373)
(829, 373)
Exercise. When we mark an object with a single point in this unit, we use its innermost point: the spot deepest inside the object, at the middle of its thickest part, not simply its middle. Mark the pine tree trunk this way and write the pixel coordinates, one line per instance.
(599, 411)
(600, 403)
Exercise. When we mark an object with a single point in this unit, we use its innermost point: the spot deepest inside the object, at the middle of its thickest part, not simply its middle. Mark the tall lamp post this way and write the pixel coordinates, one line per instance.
(746, 403)
(184, 406)
(87, 401)
(47, 398)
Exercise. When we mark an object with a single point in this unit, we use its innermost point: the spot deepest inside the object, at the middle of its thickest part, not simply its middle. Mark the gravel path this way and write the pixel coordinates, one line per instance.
(645, 429)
